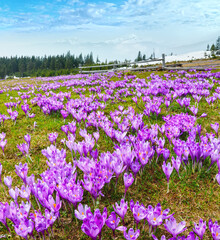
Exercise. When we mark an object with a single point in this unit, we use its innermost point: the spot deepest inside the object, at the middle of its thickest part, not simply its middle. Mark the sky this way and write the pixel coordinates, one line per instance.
(109, 29)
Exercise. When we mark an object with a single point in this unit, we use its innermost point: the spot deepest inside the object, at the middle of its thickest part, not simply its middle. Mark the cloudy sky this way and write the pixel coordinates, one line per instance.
(110, 29)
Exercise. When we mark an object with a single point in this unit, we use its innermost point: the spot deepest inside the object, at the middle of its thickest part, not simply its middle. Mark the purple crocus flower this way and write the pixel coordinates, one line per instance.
(25, 192)
(118, 167)
(27, 138)
(194, 110)
(139, 211)
(156, 216)
(134, 99)
(203, 115)
(215, 127)
(40, 221)
(112, 222)
(4, 212)
(25, 108)
(81, 212)
(64, 114)
(200, 228)
(54, 206)
(167, 169)
(22, 171)
(31, 115)
(14, 193)
(176, 163)
(93, 224)
(24, 228)
(8, 181)
(72, 127)
(173, 228)
(214, 229)
(135, 167)
(53, 137)
(121, 209)
(2, 145)
(50, 218)
(128, 180)
(96, 136)
(166, 154)
(131, 235)
(24, 148)
(2, 136)
(65, 129)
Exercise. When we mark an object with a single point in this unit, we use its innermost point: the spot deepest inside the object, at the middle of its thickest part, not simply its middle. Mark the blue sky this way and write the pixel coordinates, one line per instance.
(110, 29)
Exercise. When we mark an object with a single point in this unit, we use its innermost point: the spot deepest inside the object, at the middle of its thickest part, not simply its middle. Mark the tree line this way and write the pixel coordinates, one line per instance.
(43, 66)
(214, 47)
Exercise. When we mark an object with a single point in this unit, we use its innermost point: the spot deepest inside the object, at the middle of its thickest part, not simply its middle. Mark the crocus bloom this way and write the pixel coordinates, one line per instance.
(50, 218)
(8, 181)
(203, 115)
(65, 129)
(200, 229)
(131, 235)
(27, 138)
(32, 115)
(25, 192)
(96, 135)
(2, 136)
(176, 163)
(14, 193)
(214, 229)
(121, 209)
(24, 148)
(39, 220)
(173, 228)
(24, 228)
(128, 180)
(53, 137)
(135, 167)
(4, 212)
(167, 169)
(215, 127)
(54, 206)
(2, 145)
(166, 154)
(194, 110)
(81, 212)
(113, 221)
(139, 211)
(93, 224)
(22, 171)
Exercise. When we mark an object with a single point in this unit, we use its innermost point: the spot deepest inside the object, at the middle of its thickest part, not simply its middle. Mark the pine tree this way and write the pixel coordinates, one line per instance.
(207, 48)
(97, 60)
(213, 48)
(139, 57)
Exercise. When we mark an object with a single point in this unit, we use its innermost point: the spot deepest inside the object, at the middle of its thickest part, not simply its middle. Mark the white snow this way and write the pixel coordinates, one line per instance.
(187, 56)
(181, 57)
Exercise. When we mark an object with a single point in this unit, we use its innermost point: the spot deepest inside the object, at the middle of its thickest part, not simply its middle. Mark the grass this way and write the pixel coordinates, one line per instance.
(193, 195)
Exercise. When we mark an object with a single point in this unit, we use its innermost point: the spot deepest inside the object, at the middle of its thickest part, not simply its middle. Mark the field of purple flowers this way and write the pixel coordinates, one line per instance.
(111, 156)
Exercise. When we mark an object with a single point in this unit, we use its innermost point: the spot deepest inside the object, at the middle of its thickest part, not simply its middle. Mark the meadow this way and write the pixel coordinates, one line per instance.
(111, 156)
